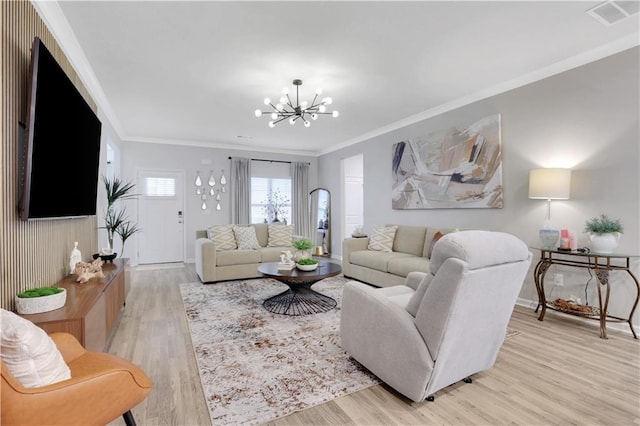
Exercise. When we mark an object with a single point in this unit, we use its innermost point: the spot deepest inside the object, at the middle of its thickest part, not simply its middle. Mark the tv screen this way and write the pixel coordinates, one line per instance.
(62, 150)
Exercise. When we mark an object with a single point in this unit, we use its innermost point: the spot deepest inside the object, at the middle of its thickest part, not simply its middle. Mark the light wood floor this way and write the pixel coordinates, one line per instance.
(556, 372)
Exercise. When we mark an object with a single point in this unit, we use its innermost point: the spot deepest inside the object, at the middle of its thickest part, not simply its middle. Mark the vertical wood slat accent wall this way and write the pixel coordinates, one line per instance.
(32, 253)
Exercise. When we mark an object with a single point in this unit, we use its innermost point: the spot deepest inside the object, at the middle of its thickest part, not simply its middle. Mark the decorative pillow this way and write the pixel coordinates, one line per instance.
(435, 239)
(246, 237)
(223, 237)
(382, 238)
(280, 235)
(30, 355)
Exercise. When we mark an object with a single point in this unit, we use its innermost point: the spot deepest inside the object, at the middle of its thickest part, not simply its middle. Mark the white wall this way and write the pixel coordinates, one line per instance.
(586, 119)
(108, 137)
(136, 155)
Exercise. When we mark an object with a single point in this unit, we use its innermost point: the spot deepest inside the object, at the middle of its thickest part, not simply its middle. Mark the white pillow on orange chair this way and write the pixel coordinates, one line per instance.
(30, 355)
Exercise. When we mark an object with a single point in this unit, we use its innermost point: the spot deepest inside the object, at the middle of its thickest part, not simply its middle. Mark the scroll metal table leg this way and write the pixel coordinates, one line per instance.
(603, 278)
(538, 276)
(635, 304)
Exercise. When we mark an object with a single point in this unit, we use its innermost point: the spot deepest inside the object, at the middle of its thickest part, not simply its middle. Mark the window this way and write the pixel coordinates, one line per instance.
(270, 199)
(159, 187)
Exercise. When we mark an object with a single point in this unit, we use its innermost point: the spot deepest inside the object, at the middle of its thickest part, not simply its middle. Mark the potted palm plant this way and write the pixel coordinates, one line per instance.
(116, 221)
(604, 233)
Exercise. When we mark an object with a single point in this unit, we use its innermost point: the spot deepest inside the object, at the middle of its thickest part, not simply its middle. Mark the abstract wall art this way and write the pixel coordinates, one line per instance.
(456, 167)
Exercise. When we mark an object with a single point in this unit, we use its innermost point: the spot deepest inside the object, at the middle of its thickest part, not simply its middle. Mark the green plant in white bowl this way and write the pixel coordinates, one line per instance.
(42, 299)
(307, 264)
(604, 233)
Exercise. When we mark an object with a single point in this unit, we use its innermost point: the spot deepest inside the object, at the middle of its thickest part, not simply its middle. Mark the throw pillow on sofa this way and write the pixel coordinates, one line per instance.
(31, 356)
(280, 235)
(223, 237)
(382, 238)
(246, 237)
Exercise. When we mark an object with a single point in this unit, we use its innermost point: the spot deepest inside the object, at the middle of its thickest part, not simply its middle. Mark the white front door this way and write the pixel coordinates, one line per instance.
(161, 216)
(353, 194)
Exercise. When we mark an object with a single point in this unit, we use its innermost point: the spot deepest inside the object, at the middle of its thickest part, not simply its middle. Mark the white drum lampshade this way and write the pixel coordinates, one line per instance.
(549, 184)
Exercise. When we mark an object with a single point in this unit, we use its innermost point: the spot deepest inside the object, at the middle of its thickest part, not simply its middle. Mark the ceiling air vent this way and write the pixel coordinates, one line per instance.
(611, 12)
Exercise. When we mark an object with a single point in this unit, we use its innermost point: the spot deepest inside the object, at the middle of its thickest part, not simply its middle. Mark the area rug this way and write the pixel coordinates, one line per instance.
(256, 366)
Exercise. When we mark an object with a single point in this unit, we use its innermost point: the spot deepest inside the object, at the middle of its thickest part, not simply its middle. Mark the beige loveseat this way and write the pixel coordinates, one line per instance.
(213, 265)
(411, 249)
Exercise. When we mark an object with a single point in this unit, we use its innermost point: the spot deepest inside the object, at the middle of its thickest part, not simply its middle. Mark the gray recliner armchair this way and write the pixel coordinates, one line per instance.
(443, 326)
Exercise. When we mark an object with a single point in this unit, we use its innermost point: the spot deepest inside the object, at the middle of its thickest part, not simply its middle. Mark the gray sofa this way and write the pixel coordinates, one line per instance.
(212, 265)
(411, 247)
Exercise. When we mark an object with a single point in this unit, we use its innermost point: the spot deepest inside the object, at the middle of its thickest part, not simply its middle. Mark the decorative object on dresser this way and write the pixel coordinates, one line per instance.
(86, 271)
(604, 233)
(549, 184)
(41, 299)
(74, 258)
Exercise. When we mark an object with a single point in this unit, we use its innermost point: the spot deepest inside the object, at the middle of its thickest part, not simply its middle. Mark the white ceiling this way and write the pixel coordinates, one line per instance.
(194, 72)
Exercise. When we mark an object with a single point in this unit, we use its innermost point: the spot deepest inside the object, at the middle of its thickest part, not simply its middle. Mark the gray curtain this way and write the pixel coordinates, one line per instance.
(240, 191)
(300, 198)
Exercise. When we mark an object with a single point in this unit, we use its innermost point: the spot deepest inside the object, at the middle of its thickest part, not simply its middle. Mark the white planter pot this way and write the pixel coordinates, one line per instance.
(307, 267)
(604, 243)
(37, 305)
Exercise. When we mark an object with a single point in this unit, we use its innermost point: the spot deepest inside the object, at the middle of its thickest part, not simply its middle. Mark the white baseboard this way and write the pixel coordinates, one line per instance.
(623, 327)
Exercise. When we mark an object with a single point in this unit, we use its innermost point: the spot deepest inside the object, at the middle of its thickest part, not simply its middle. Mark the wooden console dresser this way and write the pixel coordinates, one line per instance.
(92, 308)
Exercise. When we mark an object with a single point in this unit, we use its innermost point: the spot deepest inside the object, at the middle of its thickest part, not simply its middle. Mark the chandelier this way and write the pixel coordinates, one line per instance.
(285, 109)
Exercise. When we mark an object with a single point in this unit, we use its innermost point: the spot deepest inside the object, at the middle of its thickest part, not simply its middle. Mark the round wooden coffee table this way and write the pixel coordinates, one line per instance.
(299, 299)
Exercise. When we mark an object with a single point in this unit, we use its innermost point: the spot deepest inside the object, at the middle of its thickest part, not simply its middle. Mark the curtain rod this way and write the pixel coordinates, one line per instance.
(270, 161)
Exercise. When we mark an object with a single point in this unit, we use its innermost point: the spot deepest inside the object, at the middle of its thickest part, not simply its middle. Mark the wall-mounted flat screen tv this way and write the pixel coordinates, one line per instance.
(62, 150)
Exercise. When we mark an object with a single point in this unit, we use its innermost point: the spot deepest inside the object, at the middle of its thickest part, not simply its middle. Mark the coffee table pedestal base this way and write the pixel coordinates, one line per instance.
(299, 299)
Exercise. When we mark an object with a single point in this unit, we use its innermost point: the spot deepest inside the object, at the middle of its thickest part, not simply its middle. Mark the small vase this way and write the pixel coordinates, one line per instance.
(549, 237)
(604, 243)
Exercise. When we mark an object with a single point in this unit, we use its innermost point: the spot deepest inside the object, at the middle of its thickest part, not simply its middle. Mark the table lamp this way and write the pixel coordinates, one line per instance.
(549, 184)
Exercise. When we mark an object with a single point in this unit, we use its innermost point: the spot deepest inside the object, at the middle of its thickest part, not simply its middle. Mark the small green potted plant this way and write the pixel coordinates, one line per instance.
(303, 245)
(604, 233)
(307, 264)
(41, 299)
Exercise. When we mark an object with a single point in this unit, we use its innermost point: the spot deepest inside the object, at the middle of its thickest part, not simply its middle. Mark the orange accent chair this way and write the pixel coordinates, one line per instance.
(102, 387)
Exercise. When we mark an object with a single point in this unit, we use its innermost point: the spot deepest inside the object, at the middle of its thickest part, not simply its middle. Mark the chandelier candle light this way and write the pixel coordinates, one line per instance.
(304, 111)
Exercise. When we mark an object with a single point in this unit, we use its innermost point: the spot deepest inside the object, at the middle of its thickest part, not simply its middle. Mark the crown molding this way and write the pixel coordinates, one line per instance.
(557, 68)
(219, 145)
